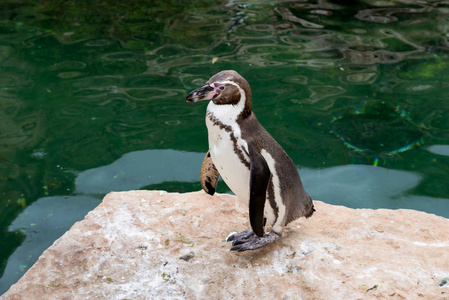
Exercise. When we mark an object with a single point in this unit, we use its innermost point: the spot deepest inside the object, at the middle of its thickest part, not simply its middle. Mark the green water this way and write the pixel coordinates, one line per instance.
(92, 99)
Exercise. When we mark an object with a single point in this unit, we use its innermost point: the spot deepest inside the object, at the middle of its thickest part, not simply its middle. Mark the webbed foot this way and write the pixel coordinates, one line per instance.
(248, 240)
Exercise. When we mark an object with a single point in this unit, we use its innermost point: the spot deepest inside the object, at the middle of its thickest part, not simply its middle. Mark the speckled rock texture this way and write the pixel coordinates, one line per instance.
(158, 245)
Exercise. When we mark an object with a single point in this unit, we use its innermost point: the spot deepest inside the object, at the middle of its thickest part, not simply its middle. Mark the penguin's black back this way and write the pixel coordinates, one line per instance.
(298, 203)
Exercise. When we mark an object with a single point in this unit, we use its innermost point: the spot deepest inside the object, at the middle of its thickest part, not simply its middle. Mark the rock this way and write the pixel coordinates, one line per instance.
(158, 245)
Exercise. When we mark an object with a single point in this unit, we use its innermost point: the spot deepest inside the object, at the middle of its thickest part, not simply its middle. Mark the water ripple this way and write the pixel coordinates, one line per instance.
(288, 16)
(386, 15)
(153, 93)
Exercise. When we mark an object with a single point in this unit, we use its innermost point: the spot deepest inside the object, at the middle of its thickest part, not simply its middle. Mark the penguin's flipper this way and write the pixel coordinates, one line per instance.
(258, 183)
(209, 175)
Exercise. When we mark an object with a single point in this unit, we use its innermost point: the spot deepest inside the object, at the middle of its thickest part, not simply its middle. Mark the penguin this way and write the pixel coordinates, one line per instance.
(250, 161)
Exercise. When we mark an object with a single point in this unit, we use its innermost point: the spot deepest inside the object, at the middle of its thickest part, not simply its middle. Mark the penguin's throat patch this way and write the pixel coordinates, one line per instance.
(239, 151)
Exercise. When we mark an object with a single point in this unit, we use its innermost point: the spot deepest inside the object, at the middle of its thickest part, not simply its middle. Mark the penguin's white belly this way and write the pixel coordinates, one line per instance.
(229, 165)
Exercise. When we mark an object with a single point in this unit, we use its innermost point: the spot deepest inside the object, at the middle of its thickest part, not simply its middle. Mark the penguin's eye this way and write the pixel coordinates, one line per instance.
(221, 87)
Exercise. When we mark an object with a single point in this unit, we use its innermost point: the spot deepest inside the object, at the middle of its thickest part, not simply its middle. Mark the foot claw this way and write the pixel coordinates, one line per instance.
(233, 236)
(237, 248)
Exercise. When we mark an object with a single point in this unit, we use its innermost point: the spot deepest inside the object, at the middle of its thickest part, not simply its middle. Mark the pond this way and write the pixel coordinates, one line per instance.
(92, 100)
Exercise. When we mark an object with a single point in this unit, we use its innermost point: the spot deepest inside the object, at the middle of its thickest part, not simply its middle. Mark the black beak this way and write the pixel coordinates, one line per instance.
(203, 93)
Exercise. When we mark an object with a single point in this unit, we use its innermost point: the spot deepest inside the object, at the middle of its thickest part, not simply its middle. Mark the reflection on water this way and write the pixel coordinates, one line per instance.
(138, 169)
(91, 93)
(42, 223)
(440, 149)
(361, 186)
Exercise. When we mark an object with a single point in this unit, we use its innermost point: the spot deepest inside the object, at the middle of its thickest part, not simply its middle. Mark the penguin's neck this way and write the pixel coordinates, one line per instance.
(229, 114)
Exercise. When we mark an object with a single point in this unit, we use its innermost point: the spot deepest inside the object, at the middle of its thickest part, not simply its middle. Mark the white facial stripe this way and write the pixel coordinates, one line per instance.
(280, 222)
(228, 81)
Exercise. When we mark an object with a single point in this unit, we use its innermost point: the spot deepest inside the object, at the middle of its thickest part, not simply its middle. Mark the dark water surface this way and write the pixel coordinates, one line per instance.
(92, 99)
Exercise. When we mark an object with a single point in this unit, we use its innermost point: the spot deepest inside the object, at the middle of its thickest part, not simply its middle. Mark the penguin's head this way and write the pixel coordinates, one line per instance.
(225, 87)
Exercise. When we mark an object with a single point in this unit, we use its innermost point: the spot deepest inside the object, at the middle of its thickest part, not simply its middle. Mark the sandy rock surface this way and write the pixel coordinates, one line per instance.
(158, 245)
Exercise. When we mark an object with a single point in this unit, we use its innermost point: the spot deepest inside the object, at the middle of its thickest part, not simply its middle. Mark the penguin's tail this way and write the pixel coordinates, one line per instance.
(311, 209)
